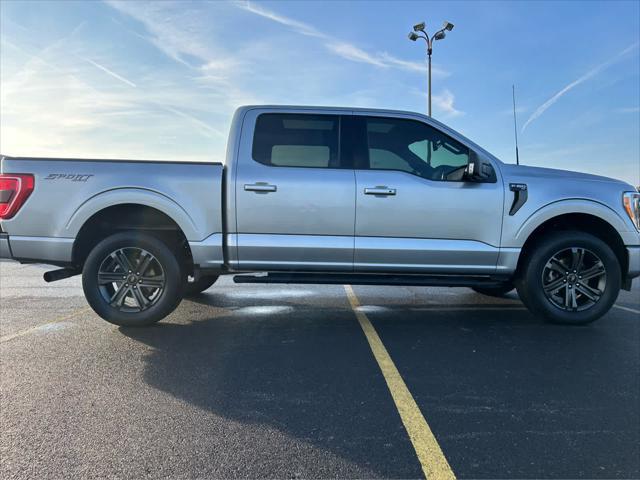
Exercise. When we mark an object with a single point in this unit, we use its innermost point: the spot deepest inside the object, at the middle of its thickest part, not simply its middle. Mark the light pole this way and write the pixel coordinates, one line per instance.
(439, 35)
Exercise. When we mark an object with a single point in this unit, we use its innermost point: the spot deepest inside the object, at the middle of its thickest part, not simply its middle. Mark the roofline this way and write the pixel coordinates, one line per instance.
(330, 108)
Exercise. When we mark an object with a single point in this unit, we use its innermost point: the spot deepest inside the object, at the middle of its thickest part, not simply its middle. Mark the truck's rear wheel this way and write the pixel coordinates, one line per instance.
(497, 291)
(132, 279)
(570, 277)
(200, 285)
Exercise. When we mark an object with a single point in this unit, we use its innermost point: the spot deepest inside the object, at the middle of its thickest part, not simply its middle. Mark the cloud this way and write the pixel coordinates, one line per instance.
(591, 73)
(509, 111)
(355, 54)
(444, 103)
(109, 72)
(199, 123)
(176, 32)
(343, 49)
(628, 110)
(299, 27)
(185, 34)
(52, 103)
(25, 73)
(171, 77)
(412, 66)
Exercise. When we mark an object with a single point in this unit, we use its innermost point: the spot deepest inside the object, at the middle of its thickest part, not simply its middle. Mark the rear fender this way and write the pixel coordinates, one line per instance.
(136, 196)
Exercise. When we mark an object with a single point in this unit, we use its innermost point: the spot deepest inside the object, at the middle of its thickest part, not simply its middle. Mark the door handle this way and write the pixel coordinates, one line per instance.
(260, 187)
(385, 191)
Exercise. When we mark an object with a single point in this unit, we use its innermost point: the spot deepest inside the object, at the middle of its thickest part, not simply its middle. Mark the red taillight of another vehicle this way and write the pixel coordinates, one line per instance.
(15, 188)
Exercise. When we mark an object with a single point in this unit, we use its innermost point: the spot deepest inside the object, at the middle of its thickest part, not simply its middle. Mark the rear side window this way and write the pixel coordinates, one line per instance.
(413, 147)
(297, 140)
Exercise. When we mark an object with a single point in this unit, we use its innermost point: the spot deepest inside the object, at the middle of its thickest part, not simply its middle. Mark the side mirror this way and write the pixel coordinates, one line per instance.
(478, 169)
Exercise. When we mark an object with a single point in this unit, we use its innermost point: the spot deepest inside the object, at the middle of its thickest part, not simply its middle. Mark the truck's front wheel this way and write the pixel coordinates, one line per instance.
(570, 277)
(132, 279)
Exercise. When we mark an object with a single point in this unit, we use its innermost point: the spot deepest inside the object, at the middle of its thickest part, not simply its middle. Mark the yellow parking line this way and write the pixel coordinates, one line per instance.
(633, 310)
(433, 462)
(6, 338)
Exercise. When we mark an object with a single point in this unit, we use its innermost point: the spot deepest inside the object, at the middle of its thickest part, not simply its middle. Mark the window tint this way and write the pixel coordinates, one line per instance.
(414, 147)
(386, 160)
(295, 140)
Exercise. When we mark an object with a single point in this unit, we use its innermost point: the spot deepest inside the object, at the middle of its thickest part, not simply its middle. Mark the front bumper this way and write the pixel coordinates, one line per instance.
(5, 250)
(634, 261)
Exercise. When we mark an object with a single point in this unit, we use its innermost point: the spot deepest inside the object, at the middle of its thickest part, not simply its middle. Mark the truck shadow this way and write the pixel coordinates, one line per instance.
(305, 373)
(308, 372)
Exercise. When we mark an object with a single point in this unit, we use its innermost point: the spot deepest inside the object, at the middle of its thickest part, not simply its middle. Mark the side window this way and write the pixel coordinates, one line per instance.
(386, 160)
(414, 147)
(297, 140)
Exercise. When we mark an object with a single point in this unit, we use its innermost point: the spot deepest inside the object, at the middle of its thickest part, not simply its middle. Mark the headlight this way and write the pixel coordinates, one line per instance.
(631, 203)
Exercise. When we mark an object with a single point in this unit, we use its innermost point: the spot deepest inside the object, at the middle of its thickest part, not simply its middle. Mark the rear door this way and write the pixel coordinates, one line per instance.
(295, 194)
(414, 211)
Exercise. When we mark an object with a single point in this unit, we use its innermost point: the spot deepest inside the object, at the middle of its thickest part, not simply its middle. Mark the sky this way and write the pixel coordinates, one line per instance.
(160, 80)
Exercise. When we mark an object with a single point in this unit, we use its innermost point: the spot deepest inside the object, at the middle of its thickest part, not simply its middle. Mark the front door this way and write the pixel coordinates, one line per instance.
(414, 211)
(295, 203)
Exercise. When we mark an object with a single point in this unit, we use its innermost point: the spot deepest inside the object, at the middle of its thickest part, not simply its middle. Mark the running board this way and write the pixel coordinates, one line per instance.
(373, 279)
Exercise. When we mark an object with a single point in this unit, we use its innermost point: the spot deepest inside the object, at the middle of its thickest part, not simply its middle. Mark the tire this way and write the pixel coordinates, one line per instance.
(200, 285)
(552, 283)
(498, 291)
(136, 300)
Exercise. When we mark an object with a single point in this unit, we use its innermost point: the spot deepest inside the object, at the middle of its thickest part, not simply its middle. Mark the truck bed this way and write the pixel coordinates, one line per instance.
(69, 191)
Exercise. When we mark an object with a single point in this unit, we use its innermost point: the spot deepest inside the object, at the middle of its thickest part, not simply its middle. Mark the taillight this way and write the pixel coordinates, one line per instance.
(15, 188)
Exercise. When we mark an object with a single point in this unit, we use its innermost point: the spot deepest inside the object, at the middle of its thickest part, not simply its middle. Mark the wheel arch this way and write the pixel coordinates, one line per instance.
(126, 217)
(132, 196)
(580, 221)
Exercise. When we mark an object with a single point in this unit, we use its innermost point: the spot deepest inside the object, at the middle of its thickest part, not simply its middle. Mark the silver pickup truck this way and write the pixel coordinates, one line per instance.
(327, 196)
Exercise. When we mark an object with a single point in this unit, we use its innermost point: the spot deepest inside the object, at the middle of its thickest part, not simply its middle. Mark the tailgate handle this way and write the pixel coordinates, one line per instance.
(260, 187)
(380, 191)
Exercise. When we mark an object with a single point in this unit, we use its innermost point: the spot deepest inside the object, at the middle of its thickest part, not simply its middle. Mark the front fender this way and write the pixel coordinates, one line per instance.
(136, 196)
(564, 207)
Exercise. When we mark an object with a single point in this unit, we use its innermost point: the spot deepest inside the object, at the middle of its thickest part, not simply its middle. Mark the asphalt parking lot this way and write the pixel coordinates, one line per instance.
(281, 381)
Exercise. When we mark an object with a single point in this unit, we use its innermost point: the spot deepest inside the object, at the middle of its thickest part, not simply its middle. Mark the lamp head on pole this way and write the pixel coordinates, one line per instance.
(419, 27)
(448, 26)
(413, 37)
